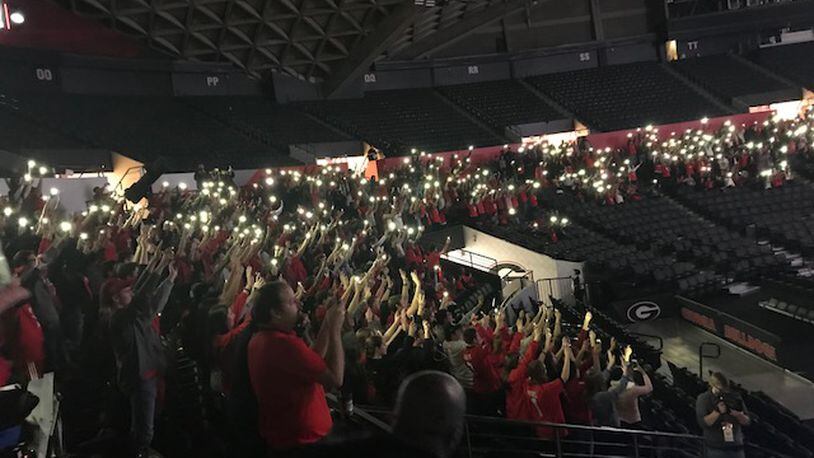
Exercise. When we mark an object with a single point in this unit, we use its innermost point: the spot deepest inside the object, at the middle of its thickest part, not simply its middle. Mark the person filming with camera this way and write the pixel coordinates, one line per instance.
(722, 415)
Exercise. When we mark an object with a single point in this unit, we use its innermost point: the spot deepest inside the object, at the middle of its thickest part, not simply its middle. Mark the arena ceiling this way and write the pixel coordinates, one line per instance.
(317, 40)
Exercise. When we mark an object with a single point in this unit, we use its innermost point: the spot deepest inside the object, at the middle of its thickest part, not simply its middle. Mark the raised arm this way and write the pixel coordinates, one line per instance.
(566, 360)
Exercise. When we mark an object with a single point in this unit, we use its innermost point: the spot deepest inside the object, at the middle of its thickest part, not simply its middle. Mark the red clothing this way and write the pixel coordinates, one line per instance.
(518, 406)
(413, 256)
(295, 271)
(44, 245)
(292, 410)
(485, 366)
(21, 333)
(110, 251)
(5, 371)
(223, 354)
(433, 259)
(473, 211)
(546, 406)
(435, 216)
(236, 309)
(481, 207)
(122, 240)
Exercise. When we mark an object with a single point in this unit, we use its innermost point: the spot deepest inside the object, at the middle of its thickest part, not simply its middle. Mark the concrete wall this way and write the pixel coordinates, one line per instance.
(541, 265)
(73, 192)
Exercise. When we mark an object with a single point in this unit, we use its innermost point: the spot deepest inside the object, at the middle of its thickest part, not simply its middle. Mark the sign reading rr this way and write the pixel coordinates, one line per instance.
(643, 311)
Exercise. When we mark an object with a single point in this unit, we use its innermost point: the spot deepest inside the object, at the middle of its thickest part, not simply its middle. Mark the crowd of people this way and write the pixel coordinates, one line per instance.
(307, 281)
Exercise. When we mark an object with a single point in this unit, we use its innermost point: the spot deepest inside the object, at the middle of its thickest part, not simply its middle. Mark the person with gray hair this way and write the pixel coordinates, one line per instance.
(428, 421)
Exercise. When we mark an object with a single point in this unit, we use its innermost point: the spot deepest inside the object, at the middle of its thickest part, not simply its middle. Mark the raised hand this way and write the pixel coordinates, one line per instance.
(586, 322)
(499, 319)
(173, 273)
(249, 278)
(259, 281)
(628, 352)
(538, 333)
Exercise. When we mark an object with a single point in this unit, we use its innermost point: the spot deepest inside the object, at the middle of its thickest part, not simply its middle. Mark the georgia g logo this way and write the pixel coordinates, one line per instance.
(643, 311)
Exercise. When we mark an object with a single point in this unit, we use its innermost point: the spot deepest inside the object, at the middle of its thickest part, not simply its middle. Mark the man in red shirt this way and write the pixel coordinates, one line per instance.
(288, 377)
(486, 367)
(544, 394)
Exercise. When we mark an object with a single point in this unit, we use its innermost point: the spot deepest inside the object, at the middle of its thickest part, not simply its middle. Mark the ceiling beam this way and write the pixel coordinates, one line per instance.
(462, 28)
(373, 45)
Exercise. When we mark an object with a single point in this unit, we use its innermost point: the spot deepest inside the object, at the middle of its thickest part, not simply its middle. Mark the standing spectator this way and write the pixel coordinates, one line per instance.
(455, 348)
(136, 342)
(27, 267)
(486, 393)
(627, 405)
(287, 376)
(721, 414)
(603, 398)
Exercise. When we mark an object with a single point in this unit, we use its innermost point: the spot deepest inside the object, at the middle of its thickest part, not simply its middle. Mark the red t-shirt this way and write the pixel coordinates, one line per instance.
(433, 259)
(292, 410)
(485, 367)
(517, 403)
(295, 271)
(546, 406)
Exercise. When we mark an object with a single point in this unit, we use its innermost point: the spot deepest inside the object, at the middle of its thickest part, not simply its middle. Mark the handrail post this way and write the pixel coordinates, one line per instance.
(701, 356)
(557, 443)
(468, 439)
(635, 446)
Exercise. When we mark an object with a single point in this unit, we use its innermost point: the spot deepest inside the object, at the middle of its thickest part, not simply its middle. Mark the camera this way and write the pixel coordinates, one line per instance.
(732, 401)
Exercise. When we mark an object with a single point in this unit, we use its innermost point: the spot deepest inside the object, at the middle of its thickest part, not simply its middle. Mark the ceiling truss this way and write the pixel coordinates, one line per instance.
(329, 41)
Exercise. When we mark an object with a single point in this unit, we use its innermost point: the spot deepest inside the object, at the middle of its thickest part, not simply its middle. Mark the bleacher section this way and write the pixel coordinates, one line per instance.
(622, 264)
(625, 96)
(147, 127)
(266, 121)
(792, 61)
(400, 120)
(791, 296)
(657, 224)
(782, 215)
(726, 76)
(20, 133)
(501, 103)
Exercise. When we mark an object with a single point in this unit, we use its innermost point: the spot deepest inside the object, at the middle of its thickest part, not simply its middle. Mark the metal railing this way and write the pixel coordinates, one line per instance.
(496, 436)
(702, 355)
(126, 173)
(658, 339)
(561, 288)
(470, 259)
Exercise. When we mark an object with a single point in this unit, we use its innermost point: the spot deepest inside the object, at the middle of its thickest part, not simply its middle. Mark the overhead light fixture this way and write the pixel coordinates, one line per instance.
(17, 17)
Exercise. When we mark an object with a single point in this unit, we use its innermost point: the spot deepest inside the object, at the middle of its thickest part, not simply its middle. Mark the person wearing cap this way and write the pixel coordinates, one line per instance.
(136, 341)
